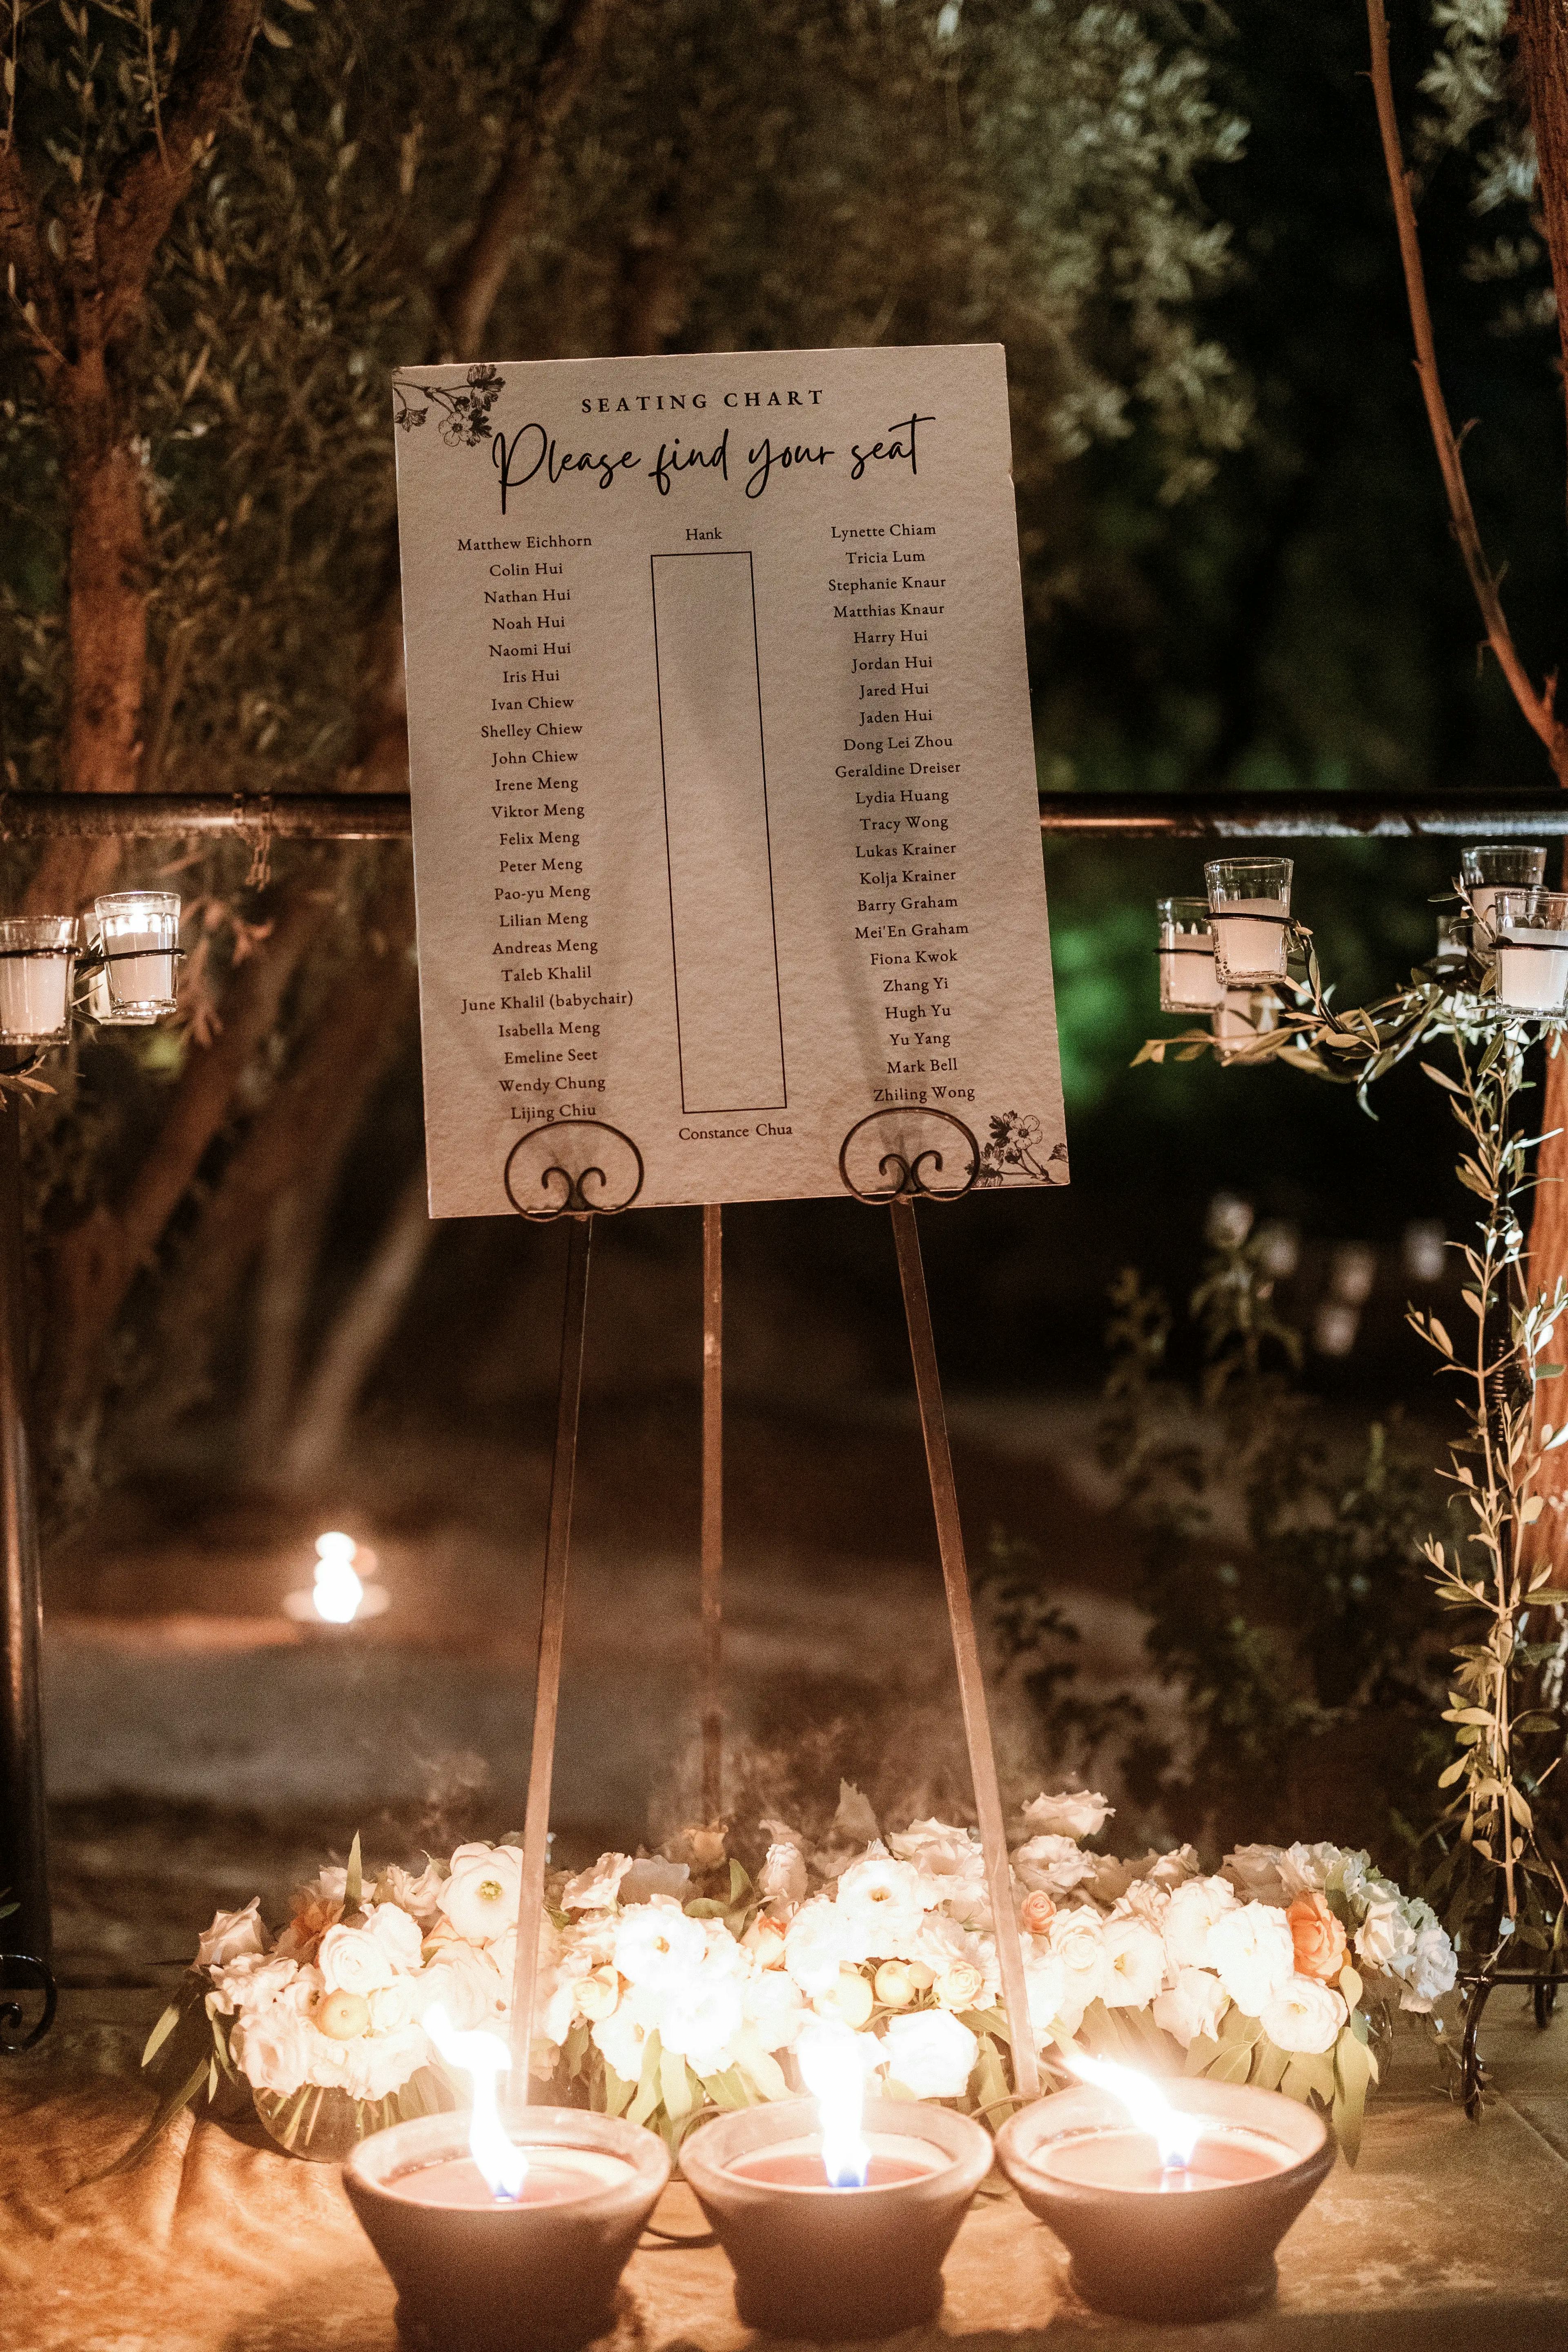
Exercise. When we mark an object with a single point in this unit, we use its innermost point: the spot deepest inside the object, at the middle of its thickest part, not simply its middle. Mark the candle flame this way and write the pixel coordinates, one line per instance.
(482, 2056)
(833, 2062)
(339, 1590)
(1175, 2133)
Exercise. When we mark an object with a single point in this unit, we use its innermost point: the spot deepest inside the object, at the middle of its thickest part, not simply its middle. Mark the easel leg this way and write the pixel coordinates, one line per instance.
(23, 1865)
(966, 1649)
(551, 1633)
(712, 1510)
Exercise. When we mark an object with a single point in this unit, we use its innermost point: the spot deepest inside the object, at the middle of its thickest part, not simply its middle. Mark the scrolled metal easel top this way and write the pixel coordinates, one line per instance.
(891, 1155)
(558, 1170)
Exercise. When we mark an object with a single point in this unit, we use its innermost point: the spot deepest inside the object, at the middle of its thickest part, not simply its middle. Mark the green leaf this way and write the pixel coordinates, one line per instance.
(162, 2031)
(1354, 2071)
(1270, 2062)
(353, 1878)
(618, 2092)
(647, 2096)
(675, 2084)
(169, 2107)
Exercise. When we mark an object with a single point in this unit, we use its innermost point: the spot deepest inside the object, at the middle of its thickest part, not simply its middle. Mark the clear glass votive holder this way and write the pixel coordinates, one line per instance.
(38, 962)
(139, 931)
(1497, 866)
(1188, 980)
(1530, 939)
(1250, 911)
(1455, 934)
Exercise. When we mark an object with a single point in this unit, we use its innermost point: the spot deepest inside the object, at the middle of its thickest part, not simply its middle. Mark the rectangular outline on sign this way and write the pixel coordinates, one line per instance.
(697, 555)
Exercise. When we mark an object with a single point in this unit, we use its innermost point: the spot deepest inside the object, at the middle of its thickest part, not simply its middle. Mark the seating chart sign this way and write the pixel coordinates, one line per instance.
(725, 826)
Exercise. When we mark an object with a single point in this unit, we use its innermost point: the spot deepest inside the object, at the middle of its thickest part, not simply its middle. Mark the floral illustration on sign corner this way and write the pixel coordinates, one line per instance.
(466, 416)
(1012, 1152)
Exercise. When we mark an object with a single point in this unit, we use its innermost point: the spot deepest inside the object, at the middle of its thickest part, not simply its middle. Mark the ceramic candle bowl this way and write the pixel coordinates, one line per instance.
(505, 2278)
(839, 2262)
(1206, 2255)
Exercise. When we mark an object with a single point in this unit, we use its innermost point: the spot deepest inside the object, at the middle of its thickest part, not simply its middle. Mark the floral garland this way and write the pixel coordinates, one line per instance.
(671, 1986)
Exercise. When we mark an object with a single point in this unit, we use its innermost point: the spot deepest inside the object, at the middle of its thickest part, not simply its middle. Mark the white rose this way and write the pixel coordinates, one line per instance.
(1254, 1872)
(931, 2052)
(882, 1904)
(272, 2047)
(250, 1982)
(482, 1896)
(1075, 1813)
(1052, 1865)
(1254, 1954)
(468, 1987)
(1434, 1967)
(1134, 1962)
(419, 1897)
(1385, 1940)
(945, 1947)
(1304, 2015)
(817, 1946)
(656, 1944)
(397, 2005)
(622, 2037)
(598, 1888)
(1108, 1879)
(1175, 1867)
(652, 1876)
(1192, 1912)
(1147, 1900)
(1355, 1877)
(589, 1943)
(702, 2020)
(397, 1933)
(1076, 1937)
(232, 1935)
(775, 2007)
(1307, 1869)
(782, 1880)
(1193, 2005)
(353, 1960)
(377, 2064)
(1046, 1982)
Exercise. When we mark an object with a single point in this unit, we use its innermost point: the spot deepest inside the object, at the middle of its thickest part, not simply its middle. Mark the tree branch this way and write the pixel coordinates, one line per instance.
(95, 1262)
(22, 248)
(136, 216)
(568, 57)
(1537, 708)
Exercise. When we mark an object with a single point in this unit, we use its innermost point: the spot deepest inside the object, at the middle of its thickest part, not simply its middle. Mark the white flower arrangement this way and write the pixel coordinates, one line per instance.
(662, 2000)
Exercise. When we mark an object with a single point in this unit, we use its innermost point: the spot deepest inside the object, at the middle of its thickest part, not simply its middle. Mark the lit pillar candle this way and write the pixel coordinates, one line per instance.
(139, 931)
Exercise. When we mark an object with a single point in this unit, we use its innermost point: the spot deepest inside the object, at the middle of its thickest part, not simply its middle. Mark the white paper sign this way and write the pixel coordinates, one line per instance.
(724, 808)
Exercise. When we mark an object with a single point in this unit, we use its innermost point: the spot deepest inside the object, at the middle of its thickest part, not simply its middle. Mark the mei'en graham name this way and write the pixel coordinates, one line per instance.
(533, 450)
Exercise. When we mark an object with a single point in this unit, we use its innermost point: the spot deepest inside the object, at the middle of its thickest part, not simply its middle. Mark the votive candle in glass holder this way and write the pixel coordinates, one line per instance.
(1497, 866)
(99, 1005)
(38, 960)
(1530, 939)
(1454, 933)
(139, 931)
(1250, 911)
(1188, 980)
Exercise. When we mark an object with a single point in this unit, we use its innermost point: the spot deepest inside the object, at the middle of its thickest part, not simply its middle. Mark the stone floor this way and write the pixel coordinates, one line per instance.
(1449, 2237)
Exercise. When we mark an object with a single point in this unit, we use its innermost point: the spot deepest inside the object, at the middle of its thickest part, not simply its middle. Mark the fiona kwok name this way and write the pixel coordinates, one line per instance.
(532, 454)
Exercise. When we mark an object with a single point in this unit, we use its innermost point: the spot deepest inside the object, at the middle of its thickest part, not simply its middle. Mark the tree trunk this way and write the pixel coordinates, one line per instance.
(358, 1336)
(1541, 27)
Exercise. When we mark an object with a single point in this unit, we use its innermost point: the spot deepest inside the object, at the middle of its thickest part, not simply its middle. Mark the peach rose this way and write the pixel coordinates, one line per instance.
(1036, 1912)
(1319, 1939)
